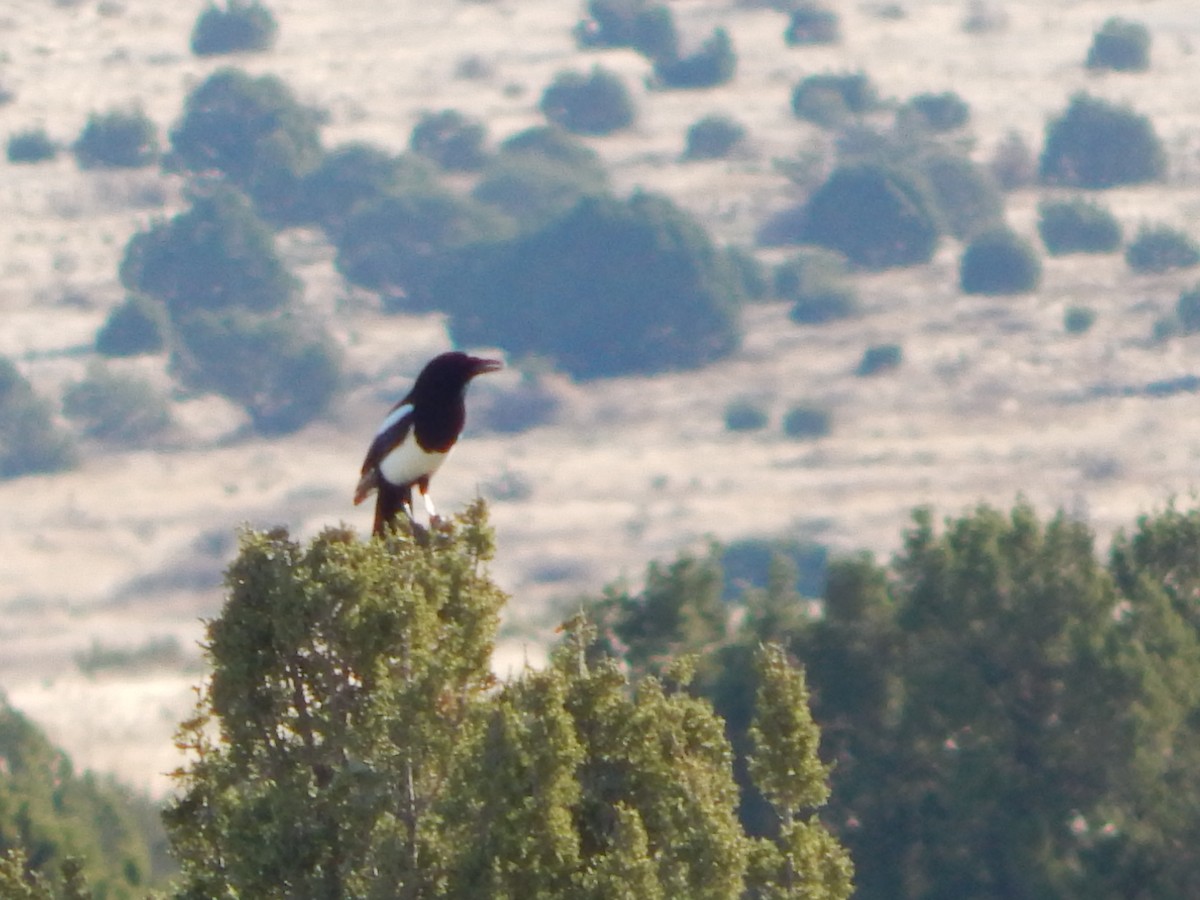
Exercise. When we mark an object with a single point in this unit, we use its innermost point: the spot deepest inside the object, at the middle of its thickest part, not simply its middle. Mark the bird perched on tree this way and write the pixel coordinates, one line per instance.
(417, 435)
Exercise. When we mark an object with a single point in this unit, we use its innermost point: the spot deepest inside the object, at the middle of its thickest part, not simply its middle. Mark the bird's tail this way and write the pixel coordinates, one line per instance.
(389, 501)
(368, 483)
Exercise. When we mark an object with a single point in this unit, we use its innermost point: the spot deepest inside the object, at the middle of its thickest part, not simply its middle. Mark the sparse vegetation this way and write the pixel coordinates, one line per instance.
(241, 26)
(1096, 144)
(119, 139)
(32, 145)
(966, 198)
(999, 262)
(1013, 164)
(745, 414)
(1120, 45)
(1161, 248)
(451, 139)
(806, 421)
(116, 408)
(1077, 226)
(713, 137)
(815, 282)
(30, 440)
(597, 103)
(879, 358)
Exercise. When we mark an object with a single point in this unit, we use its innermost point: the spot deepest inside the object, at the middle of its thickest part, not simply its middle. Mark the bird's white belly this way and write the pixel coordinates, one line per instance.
(408, 462)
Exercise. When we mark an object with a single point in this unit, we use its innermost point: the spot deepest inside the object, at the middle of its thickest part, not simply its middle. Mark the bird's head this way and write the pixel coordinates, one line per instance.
(452, 371)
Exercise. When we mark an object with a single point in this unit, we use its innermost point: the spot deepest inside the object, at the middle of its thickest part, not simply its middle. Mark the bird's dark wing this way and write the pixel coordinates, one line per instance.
(396, 426)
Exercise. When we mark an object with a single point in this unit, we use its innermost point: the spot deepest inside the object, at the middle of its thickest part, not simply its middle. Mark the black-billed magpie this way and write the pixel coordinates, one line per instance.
(417, 434)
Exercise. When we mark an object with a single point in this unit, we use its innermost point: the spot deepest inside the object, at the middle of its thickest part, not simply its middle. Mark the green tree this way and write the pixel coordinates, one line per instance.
(596, 103)
(1095, 144)
(452, 140)
(118, 139)
(353, 174)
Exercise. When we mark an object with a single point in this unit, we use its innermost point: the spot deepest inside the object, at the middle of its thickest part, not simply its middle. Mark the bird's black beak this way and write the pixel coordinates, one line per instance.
(481, 366)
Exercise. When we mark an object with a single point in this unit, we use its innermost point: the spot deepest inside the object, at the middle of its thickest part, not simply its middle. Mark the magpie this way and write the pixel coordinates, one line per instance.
(416, 436)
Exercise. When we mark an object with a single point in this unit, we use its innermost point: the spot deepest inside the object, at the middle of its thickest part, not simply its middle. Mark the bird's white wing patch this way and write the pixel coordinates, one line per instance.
(407, 462)
(393, 417)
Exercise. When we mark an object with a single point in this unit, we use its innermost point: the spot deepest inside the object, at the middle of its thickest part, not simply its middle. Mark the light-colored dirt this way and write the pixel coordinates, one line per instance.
(993, 397)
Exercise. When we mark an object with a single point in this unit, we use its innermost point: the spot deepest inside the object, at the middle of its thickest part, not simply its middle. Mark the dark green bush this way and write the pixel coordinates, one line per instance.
(713, 64)
(1160, 248)
(828, 100)
(966, 198)
(533, 190)
(654, 33)
(1077, 226)
(807, 421)
(938, 112)
(745, 415)
(1078, 319)
(357, 173)
(31, 146)
(647, 27)
(873, 215)
(452, 140)
(550, 142)
(713, 137)
(812, 24)
(239, 27)
(135, 327)
(120, 139)
(1096, 144)
(1187, 310)
(613, 287)
(1120, 45)
(880, 358)
(255, 132)
(999, 262)
(121, 409)
(30, 442)
(597, 103)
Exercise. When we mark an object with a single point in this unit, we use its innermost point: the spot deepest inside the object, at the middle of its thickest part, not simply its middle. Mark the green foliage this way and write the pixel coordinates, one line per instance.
(242, 26)
(119, 139)
(30, 442)
(1120, 45)
(806, 421)
(534, 189)
(745, 414)
(613, 287)
(351, 742)
(357, 173)
(647, 27)
(597, 103)
(1013, 164)
(875, 216)
(1078, 319)
(815, 282)
(1160, 248)
(946, 111)
(451, 139)
(999, 262)
(1077, 226)
(879, 358)
(966, 197)
(253, 131)
(135, 327)
(554, 144)
(713, 137)
(32, 145)
(1095, 144)
(829, 100)
(712, 64)
(122, 409)
(59, 829)
(811, 23)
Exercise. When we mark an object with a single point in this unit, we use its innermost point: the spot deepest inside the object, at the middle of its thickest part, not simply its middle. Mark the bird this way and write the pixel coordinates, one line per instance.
(416, 436)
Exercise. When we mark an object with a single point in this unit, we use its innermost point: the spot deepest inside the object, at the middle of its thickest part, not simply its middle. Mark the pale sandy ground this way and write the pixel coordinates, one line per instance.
(993, 397)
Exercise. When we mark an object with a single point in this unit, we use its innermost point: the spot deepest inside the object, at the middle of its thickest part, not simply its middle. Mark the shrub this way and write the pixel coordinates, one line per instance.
(240, 27)
(1013, 164)
(812, 24)
(597, 103)
(873, 215)
(807, 421)
(613, 287)
(1095, 144)
(654, 33)
(828, 100)
(255, 132)
(814, 282)
(1077, 226)
(745, 415)
(713, 137)
(450, 139)
(135, 327)
(879, 358)
(965, 196)
(713, 64)
(550, 142)
(938, 112)
(30, 442)
(1120, 45)
(120, 139)
(535, 190)
(999, 262)
(1159, 248)
(1187, 310)
(1078, 319)
(117, 408)
(648, 28)
(357, 173)
(31, 146)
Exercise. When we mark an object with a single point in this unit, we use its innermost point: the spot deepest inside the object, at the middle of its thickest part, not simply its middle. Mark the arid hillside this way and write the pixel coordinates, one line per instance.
(106, 571)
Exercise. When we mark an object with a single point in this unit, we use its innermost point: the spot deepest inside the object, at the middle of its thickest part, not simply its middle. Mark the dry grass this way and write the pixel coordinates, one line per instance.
(993, 397)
